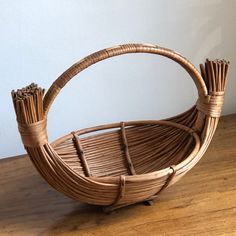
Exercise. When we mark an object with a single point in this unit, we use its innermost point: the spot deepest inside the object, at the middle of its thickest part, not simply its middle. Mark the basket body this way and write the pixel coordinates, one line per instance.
(123, 163)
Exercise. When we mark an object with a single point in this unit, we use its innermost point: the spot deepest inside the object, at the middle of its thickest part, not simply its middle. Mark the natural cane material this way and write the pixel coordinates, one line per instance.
(125, 162)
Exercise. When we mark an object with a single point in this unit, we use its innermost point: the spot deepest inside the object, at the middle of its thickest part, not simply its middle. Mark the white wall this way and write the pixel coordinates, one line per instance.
(40, 39)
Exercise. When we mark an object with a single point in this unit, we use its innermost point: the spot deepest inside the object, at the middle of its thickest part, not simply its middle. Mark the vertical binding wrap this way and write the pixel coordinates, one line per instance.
(126, 148)
(81, 154)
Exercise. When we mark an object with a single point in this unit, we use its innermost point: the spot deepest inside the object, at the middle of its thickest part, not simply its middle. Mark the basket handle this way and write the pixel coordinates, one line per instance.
(119, 50)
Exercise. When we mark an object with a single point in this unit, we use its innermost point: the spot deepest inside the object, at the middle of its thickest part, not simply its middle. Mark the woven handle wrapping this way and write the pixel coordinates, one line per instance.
(119, 50)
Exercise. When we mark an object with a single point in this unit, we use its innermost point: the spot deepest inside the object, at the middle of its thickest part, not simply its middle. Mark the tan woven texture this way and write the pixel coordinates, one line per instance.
(125, 162)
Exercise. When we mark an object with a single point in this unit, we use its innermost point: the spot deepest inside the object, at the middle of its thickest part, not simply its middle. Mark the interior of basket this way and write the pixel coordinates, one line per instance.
(124, 149)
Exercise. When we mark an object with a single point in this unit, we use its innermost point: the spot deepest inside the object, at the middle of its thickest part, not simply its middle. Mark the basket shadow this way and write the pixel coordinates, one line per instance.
(27, 202)
(29, 205)
(91, 220)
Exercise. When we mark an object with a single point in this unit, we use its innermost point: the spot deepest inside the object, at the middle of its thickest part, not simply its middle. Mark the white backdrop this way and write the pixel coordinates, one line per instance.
(40, 39)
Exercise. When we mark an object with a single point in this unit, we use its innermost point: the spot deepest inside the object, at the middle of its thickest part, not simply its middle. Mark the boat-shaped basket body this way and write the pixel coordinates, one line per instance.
(125, 162)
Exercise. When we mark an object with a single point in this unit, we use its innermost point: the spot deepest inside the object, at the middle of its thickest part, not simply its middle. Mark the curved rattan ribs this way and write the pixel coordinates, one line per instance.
(124, 162)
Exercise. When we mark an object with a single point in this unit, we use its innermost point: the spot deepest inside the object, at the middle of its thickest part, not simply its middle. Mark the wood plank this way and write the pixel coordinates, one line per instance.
(202, 203)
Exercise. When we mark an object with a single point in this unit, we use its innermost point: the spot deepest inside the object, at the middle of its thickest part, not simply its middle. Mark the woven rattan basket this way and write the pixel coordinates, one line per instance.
(125, 162)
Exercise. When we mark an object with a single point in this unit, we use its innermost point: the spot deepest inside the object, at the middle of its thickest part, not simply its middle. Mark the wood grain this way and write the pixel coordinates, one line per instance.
(202, 203)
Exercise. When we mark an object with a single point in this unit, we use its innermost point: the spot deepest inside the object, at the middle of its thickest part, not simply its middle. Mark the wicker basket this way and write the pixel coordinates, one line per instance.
(125, 162)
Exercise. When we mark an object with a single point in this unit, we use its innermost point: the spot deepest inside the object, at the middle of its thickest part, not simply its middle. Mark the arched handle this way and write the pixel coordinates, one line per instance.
(119, 50)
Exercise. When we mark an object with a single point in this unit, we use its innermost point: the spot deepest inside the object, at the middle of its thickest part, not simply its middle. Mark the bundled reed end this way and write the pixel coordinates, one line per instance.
(214, 74)
(28, 104)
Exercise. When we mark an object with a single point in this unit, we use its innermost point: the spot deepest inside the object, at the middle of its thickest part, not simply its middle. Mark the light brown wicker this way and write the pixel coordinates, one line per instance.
(125, 162)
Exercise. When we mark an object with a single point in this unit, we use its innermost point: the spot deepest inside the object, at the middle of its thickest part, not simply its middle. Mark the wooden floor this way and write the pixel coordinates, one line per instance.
(202, 203)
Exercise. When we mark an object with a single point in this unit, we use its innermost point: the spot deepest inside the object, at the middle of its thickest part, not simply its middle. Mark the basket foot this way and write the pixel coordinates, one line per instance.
(110, 209)
(148, 203)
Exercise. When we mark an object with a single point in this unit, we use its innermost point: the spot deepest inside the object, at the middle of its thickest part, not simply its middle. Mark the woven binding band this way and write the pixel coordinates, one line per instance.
(211, 105)
(121, 191)
(35, 134)
(171, 176)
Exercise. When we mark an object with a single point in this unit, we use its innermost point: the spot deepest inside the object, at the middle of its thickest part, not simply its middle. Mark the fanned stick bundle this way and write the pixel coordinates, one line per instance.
(118, 164)
(28, 104)
(210, 105)
(214, 74)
